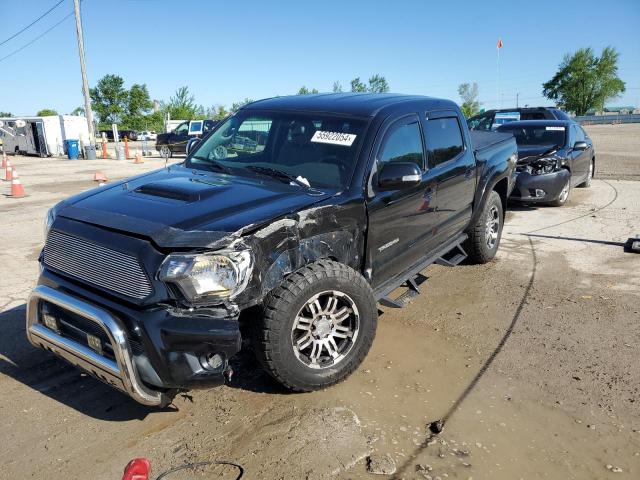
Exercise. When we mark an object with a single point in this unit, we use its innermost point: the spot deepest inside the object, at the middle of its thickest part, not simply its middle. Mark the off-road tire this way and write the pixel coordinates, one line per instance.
(476, 245)
(272, 334)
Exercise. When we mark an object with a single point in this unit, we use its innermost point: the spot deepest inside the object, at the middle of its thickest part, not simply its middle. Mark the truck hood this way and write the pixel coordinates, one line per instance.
(180, 207)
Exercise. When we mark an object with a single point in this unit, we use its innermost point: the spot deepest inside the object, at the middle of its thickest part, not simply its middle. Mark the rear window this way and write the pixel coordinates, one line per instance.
(538, 135)
(444, 139)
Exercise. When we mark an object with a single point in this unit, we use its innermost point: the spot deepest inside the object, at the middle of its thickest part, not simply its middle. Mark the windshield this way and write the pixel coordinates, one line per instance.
(536, 136)
(319, 150)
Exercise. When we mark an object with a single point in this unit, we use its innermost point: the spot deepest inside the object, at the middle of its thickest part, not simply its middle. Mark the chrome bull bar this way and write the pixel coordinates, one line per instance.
(121, 373)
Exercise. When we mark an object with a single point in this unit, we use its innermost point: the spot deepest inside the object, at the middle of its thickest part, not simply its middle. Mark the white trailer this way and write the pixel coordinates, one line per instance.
(53, 129)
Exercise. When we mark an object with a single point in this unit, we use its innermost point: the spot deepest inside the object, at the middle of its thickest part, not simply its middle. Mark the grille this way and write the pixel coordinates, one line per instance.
(95, 264)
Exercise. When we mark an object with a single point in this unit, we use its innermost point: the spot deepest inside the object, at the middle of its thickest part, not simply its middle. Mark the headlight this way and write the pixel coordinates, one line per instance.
(208, 276)
(48, 220)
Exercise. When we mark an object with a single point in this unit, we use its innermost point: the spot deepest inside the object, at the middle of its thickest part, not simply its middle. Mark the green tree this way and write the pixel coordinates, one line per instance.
(5, 114)
(305, 91)
(469, 94)
(109, 98)
(182, 105)
(77, 111)
(137, 108)
(46, 112)
(357, 85)
(238, 105)
(217, 112)
(585, 81)
(337, 87)
(378, 84)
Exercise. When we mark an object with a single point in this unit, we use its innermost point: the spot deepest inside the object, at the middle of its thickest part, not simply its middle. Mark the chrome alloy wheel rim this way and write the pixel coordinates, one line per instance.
(325, 329)
(492, 227)
(564, 193)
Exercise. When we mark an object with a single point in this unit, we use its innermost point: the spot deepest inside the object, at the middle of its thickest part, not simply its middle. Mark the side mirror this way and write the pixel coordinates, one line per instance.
(399, 175)
(580, 146)
(192, 143)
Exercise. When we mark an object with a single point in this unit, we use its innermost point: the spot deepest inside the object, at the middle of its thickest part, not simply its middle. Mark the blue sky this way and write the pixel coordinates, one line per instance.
(226, 51)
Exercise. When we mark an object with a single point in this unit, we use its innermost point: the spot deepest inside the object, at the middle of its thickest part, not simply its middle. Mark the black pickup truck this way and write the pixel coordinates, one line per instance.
(284, 227)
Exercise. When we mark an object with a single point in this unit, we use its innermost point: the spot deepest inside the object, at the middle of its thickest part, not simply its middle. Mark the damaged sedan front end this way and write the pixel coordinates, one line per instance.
(541, 178)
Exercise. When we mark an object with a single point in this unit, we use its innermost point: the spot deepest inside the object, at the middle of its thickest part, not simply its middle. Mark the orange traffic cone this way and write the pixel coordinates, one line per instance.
(8, 171)
(4, 160)
(138, 157)
(101, 178)
(17, 190)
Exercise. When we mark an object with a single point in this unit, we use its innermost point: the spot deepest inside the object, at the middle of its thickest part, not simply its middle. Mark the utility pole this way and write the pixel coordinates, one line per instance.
(83, 69)
(517, 95)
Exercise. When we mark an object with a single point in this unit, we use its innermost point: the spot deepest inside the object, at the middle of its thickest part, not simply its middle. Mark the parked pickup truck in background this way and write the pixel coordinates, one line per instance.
(176, 141)
(284, 227)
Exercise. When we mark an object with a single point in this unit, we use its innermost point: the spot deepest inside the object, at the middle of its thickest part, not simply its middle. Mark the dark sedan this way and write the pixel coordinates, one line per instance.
(553, 157)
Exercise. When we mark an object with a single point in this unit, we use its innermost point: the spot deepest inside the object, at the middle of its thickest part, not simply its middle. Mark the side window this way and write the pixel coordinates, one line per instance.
(182, 129)
(481, 122)
(444, 139)
(403, 143)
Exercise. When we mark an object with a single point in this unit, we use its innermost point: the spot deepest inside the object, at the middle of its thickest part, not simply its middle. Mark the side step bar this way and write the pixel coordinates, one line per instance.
(449, 255)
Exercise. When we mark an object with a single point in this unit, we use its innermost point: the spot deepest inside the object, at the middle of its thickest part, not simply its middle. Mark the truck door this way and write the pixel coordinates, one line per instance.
(401, 222)
(453, 167)
(179, 138)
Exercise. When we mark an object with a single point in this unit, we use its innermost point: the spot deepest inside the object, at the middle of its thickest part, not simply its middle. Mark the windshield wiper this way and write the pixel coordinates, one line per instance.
(279, 174)
(213, 163)
(533, 158)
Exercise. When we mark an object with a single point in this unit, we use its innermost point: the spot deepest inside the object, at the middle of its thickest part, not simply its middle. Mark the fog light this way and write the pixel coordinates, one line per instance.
(211, 361)
(540, 193)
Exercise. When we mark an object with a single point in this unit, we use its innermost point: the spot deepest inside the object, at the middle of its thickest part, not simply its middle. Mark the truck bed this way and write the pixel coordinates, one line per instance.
(481, 140)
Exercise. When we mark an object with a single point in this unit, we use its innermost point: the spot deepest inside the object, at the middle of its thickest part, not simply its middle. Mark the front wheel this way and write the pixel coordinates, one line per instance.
(563, 196)
(587, 182)
(317, 327)
(484, 235)
(165, 152)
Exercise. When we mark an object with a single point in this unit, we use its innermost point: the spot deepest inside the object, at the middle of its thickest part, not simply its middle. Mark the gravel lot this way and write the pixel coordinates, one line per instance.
(532, 360)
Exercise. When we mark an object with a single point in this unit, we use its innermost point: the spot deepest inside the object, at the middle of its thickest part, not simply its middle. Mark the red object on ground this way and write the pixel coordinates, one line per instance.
(17, 190)
(104, 150)
(100, 177)
(138, 157)
(4, 160)
(126, 148)
(137, 469)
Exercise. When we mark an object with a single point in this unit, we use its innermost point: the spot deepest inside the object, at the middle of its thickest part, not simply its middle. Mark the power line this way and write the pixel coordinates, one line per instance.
(32, 23)
(37, 38)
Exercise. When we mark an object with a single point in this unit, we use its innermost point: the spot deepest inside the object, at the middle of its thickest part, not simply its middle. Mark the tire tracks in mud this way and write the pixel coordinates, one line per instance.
(437, 426)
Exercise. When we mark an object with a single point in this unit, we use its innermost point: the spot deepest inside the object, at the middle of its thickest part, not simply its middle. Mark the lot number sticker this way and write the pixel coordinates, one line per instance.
(561, 129)
(334, 138)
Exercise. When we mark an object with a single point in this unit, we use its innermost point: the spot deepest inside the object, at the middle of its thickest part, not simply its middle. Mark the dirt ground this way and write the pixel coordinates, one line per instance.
(532, 361)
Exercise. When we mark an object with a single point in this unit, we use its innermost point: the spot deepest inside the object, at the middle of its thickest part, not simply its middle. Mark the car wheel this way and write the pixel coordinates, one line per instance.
(485, 234)
(317, 326)
(587, 182)
(563, 196)
(166, 152)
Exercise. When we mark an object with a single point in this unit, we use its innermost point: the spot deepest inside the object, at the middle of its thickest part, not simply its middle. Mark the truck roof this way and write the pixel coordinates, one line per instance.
(357, 104)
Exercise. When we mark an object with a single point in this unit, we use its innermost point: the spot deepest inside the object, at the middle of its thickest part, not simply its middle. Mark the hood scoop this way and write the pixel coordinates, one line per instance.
(181, 189)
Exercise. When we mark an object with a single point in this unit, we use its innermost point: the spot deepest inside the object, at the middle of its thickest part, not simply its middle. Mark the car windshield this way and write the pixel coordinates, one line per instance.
(536, 135)
(317, 150)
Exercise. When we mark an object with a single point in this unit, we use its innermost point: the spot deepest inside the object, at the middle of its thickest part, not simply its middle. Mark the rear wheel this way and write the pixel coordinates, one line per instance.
(317, 327)
(484, 235)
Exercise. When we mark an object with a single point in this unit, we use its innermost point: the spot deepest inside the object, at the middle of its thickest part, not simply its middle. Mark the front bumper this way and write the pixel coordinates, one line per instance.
(147, 353)
(539, 188)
